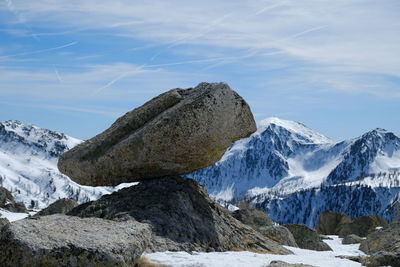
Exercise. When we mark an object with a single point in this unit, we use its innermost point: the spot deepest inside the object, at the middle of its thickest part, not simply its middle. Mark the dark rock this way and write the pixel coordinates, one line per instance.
(3, 222)
(279, 234)
(176, 133)
(361, 226)
(329, 222)
(351, 239)
(352, 258)
(61, 206)
(7, 202)
(382, 258)
(307, 238)
(182, 216)
(253, 217)
(59, 240)
(285, 264)
(386, 239)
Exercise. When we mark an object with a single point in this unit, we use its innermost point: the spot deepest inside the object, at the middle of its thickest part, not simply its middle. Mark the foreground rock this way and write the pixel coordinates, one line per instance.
(182, 217)
(61, 206)
(351, 239)
(175, 133)
(329, 222)
(3, 222)
(383, 246)
(59, 240)
(7, 202)
(361, 226)
(307, 238)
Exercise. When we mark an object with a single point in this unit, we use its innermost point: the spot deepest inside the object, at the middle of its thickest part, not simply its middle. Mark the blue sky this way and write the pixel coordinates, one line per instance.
(76, 66)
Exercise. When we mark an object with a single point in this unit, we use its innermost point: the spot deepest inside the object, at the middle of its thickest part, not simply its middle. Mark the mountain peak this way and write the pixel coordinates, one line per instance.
(295, 128)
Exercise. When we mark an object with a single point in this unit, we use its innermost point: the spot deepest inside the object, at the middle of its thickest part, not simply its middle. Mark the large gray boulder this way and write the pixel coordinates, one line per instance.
(253, 217)
(279, 234)
(59, 240)
(351, 239)
(307, 238)
(61, 206)
(176, 133)
(182, 217)
(329, 222)
(361, 226)
(7, 202)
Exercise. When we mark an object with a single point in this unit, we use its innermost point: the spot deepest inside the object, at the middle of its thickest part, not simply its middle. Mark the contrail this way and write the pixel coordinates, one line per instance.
(40, 51)
(57, 74)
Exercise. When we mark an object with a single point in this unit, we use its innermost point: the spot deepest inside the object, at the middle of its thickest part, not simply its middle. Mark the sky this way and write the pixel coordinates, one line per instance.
(76, 66)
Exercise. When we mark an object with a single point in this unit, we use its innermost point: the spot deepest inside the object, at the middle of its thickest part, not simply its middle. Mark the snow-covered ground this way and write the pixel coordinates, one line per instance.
(13, 216)
(246, 259)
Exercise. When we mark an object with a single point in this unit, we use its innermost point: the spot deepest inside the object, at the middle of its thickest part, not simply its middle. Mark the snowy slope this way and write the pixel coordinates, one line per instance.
(28, 166)
(282, 166)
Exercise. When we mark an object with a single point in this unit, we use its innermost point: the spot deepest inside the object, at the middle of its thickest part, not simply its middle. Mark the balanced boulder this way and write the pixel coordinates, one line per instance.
(176, 133)
(182, 217)
(307, 238)
(59, 240)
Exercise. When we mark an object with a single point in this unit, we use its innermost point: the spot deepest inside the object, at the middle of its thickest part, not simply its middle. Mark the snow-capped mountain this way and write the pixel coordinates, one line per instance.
(295, 173)
(28, 166)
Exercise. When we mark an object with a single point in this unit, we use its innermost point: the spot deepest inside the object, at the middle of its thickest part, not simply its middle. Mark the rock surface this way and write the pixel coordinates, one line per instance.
(279, 234)
(182, 216)
(253, 217)
(7, 202)
(285, 264)
(329, 222)
(61, 206)
(3, 222)
(351, 239)
(361, 226)
(176, 133)
(307, 238)
(59, 240)
(382, 258)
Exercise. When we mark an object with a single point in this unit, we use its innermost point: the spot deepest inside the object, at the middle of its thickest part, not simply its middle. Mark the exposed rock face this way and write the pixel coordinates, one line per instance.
(329, 222)
(307, 238)
(279, 234)
(382, 258)
(175, 133)
(361, 226)
(3, 222)
(7, 202)
(61, 206)
(285, 264)
(351, 239)
(59, 240)
(182, 217)
(253, 217)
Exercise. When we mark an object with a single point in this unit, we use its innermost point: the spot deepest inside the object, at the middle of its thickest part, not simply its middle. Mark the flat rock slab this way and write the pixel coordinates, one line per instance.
(182, 217)
(60, 240)
(176, 133)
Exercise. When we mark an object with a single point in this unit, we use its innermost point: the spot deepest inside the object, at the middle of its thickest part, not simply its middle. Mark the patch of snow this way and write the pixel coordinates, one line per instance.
(245, 258)
(14, 216)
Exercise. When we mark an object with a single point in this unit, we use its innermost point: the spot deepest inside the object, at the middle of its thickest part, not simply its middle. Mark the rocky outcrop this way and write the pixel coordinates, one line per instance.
(361, 226)
(285, 264)
(383, 246)
(59, 240)
(329, 222)
(175, 133)
(7, 202)
(307, 238)
(3, 222)
(351, 239)
(61, 206)
(253, 217)
(279, 234)
(182, 216)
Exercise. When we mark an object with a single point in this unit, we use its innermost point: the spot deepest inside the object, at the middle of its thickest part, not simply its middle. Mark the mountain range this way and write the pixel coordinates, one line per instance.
(28, 166)
(295, 173)
(284, 168)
